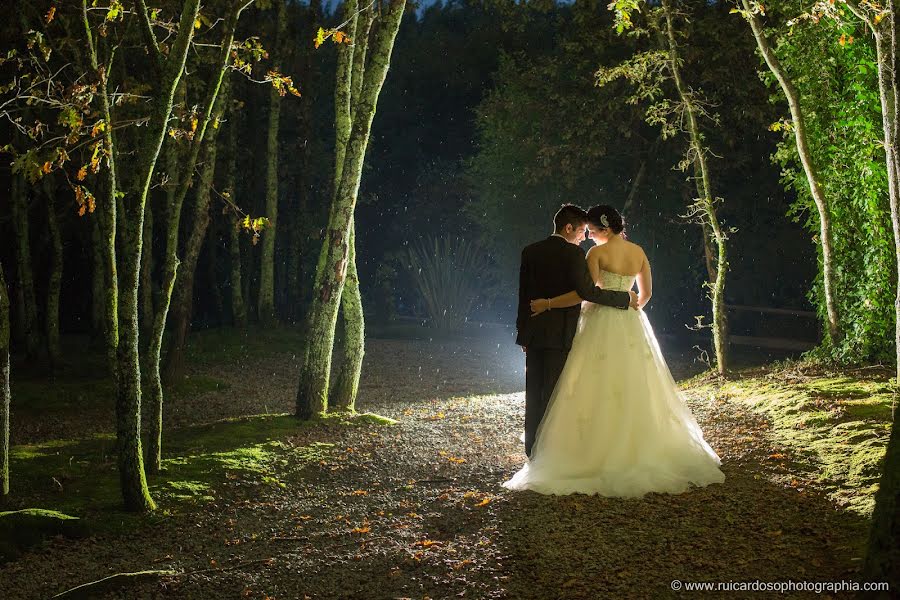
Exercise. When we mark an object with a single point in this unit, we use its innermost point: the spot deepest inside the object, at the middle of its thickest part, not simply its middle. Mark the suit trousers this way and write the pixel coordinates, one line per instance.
(543, 367)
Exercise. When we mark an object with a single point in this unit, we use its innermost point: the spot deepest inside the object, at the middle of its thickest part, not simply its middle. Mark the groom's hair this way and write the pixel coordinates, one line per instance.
(569, 214)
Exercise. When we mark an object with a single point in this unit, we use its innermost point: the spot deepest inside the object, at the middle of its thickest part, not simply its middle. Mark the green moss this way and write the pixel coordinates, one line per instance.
(20, 529)
(838, 426)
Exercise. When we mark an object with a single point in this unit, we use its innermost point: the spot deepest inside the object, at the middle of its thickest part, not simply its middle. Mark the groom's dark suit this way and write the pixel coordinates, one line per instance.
(550, 268)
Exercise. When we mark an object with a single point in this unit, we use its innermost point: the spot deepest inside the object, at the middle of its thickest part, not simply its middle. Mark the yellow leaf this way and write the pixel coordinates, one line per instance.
(52, 13)
(360, 493)
(484, 502)
(320, 37)
(360, 530)
(197, 23)
(878, 18)
(82, 173)
(47, 167)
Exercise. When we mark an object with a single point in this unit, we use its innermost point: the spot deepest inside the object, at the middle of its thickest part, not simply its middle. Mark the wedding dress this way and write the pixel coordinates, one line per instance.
(616, 424)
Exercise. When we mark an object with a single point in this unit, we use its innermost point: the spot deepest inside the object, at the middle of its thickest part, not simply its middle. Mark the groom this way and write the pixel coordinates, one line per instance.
(550, 268)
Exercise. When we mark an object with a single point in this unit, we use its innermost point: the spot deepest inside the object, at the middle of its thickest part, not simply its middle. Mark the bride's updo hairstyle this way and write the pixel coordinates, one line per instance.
(607, 217)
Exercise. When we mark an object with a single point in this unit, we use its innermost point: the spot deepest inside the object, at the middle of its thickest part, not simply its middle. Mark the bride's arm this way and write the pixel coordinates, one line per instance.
(644, 284)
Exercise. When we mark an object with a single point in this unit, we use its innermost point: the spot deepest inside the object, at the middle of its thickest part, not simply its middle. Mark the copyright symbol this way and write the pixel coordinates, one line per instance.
(675, 585)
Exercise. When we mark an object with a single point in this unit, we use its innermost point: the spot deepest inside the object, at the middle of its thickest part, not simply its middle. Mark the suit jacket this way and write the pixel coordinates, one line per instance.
(550, 268)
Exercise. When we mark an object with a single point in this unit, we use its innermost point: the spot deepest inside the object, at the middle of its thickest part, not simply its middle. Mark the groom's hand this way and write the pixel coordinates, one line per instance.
(634, 300)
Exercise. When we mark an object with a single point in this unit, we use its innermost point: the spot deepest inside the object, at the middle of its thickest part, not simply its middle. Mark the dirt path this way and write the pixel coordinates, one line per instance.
(416, 510)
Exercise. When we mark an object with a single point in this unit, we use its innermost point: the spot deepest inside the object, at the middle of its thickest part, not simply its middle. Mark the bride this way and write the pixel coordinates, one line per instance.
(616, 424)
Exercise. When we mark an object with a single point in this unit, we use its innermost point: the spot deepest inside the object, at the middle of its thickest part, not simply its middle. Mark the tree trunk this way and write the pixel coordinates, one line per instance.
(55, 282)
(706, 201)
(98, 285)
(883, 556)
(212, 111)
(343, 395)
(24, 271)
(147, 272)
(812, 177)
(238, 311)
(266, 300)
(128, 397)
(182, 299)
(107, 217)
(5, 395)
(312, 392)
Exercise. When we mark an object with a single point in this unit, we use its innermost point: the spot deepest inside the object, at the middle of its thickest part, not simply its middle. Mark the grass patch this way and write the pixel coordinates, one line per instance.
(80, 476)
(838, 425)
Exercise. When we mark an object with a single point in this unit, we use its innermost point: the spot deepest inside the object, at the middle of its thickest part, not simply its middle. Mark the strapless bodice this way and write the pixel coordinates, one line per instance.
(614, 281)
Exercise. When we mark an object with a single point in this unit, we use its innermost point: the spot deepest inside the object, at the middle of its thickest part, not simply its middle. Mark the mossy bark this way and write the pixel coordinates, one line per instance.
(238, 311)
(5, 394)
(331, 270)
(266, 299)
(107, 215)
(182, 298)
(54, 284)
(201, 142)
(24, 271)
(133, 481)
(706, 203)
(343, 394)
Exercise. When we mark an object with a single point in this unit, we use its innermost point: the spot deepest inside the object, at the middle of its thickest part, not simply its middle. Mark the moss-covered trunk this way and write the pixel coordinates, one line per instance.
(54, 284)
(5, 394)
(266, 300)
(202, 142)
(331, 270)
(128, 397)
(24, 271)
(238, 311)
(812, 178)
(343, 394)
(706, 203)
(182, 298)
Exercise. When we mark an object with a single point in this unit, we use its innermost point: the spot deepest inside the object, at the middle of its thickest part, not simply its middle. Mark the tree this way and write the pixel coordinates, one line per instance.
(266, 301)
(24, 271)
(55, 280)
(751, 11)
(5, 395)
(332, 267)
(647, 71)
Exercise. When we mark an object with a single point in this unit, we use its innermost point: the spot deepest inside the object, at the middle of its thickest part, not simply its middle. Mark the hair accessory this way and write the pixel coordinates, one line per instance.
(604, 221)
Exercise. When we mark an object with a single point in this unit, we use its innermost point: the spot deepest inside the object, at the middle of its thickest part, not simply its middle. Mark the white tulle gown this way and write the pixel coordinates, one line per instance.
(616, 424)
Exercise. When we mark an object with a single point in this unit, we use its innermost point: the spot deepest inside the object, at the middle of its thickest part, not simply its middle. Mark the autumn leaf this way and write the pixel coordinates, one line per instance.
(359, 493)
(320, 37)
(484, 502)
(427, 543)
(47, 167)
(52, 13)
(340, 37)
(364, 529)
(456, 460)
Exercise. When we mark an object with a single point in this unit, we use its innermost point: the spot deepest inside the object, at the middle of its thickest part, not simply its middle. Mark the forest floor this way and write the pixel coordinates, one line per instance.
(265, 507)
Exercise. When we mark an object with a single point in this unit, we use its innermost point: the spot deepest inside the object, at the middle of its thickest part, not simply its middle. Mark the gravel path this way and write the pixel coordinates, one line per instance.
(416, 510)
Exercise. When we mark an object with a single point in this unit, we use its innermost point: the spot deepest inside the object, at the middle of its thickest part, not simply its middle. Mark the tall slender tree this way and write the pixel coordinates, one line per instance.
(182, 297)
(266, 300)
(751, 11)
(24, 267)
(51, 318)
(332, 267)
(173, 212)
(5, 395)
(238, 311)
